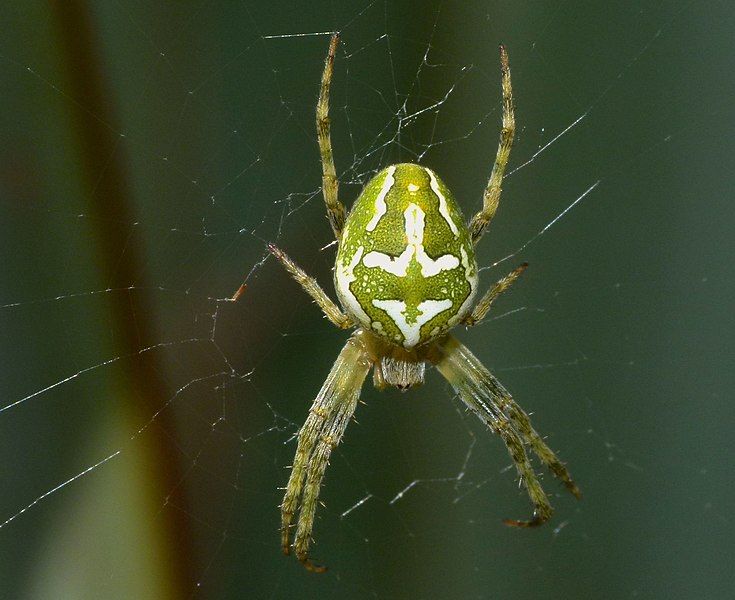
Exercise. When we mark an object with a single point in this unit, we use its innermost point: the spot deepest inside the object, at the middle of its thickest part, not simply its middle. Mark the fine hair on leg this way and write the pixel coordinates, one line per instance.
(491, 402)
(311, 287)
(483, 304)
(324, 427)
(330, 184)
(491, 196)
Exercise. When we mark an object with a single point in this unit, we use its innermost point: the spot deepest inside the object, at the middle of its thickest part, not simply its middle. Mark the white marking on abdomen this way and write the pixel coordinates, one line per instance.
(398, 266)
(396, 309)
(470, 275)
(443, 209)
(380, 206)
(344, 276)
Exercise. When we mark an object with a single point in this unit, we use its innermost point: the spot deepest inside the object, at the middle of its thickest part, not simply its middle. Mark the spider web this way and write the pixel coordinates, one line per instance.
(147, 418)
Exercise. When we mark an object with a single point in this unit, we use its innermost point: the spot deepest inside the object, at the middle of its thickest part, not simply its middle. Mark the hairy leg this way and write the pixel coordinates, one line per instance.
(311, 287)
(491, 402)
(491, 197)
(330, 184)
(322, 431)
(483, 305)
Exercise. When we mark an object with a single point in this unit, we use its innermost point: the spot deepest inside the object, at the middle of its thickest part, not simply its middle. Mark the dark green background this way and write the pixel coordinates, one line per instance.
(147, 152)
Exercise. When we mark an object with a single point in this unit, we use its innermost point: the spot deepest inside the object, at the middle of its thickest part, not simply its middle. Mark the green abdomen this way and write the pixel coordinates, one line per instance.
(405, 266)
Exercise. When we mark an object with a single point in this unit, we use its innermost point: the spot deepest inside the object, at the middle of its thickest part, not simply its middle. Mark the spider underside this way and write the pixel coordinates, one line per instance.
(400, 360)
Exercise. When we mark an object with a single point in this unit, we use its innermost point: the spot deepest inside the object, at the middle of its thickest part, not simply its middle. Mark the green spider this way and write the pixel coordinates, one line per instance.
(405, 274)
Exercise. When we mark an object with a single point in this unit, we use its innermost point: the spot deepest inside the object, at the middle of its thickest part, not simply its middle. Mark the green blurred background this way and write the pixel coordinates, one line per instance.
(147, 153)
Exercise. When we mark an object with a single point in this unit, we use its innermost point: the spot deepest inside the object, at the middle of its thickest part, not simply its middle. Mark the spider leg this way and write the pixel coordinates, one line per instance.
(328, 440)
(311, 287)
(522, 422)
(491, 196)
(491, 402)
(322, 431)
(330, 184)
(483, 305)
(308, 435)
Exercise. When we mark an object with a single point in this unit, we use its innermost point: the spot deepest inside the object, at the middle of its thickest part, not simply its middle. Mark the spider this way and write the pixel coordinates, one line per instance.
(405, 274)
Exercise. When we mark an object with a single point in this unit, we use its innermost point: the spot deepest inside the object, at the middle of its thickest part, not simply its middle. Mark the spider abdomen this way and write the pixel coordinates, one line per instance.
(406, 267)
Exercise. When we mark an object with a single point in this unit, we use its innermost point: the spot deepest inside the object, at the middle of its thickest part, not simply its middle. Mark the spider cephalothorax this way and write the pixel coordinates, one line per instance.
(405, 274)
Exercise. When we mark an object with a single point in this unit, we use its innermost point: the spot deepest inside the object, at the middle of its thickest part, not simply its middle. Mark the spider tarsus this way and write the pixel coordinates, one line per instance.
(541, 514)
(560, 472)
(286, 539)
(535, 522)
(572, 487)
(311, 566)
(240, 291)
(503, 58)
